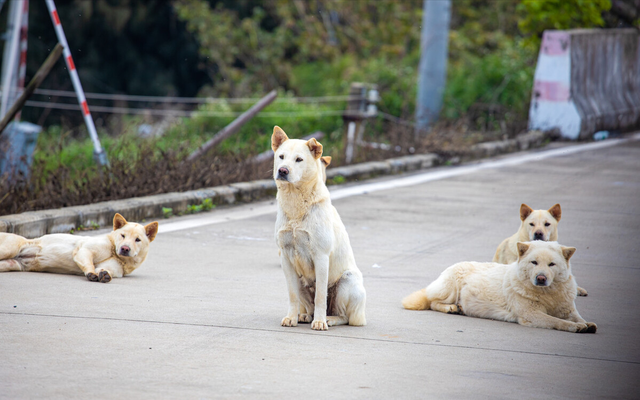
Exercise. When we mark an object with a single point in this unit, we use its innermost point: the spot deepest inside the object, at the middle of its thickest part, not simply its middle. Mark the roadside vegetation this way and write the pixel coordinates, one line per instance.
(302, 49)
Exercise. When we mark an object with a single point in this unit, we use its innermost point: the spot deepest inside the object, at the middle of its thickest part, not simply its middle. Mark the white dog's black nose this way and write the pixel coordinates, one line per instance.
(538, 236)
(283, 172)
(541, 280)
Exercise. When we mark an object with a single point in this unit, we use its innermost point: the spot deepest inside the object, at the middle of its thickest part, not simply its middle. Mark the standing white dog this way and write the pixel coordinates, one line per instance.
(325, 285)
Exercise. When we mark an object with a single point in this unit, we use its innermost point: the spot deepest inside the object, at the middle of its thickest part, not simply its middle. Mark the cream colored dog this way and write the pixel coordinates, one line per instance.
(99, 258)
(325, 285)
(536, 225)
(537, 290)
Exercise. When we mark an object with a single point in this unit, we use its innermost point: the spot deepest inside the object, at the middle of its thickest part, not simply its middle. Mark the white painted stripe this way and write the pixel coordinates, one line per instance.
(264, 208)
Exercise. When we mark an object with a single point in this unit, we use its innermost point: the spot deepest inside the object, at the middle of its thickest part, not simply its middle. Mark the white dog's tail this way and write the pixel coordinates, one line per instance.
(417, 301)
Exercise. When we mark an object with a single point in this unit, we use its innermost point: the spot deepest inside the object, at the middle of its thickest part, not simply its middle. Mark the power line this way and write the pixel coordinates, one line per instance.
(197, 100)
(180, 113)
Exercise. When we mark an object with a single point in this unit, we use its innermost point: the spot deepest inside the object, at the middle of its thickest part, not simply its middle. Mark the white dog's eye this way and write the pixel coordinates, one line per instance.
(531, 223)
(534, 262)
(137, 239)
(546, 224)
(282, 156)
(122, 234)
(298, 159)
(552, 264)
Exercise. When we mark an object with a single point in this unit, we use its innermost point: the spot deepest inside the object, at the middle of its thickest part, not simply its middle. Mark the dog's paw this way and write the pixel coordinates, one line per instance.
(319, 325)
(454, 309)
(591, 328)
(305, 318)
(104, 276)
(286, 321)
(579, 327)
(582, 292)
(92, 277)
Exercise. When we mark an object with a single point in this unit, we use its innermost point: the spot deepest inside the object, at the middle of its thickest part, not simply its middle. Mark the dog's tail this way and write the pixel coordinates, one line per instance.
(417, 301)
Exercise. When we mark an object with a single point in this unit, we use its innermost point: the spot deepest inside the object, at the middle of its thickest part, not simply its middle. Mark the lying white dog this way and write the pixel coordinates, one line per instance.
(537, 290)
(325, 285)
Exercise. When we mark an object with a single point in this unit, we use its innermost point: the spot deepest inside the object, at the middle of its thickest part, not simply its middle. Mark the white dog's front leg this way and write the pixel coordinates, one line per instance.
(321, 265)
(294, 293)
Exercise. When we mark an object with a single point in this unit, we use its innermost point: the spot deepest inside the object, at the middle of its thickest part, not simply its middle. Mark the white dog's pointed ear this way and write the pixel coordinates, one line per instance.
(315, 148)
(522, 248)
(278, 138)
(556, 212)
(567, 252)
(151, 230)
(326, 160)
(525, 211)
(118, 221)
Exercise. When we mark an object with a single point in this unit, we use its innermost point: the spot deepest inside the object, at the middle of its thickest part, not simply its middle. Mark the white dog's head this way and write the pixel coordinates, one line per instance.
(132, 239)
(541, 224)
(543, 263)
(296, 161)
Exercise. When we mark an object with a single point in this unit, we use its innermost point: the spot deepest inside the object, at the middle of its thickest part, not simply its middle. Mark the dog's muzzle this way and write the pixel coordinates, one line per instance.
(283, 174)
(538, 236)
(541, 280)
(125, 251)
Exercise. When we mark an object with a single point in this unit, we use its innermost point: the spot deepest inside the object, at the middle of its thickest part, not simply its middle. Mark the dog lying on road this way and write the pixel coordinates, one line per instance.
(537, 290)
(536, 225)
(99, 258)
(325, 285)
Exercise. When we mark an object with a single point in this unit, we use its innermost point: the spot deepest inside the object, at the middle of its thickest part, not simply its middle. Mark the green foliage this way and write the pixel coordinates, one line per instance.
(207, 204)
(167, 212)
(257, 51)
(92, 227)
(538, 15)
(337, 180)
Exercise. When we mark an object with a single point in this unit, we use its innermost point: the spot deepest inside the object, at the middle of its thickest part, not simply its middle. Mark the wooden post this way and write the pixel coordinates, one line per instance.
(32, 86)
(353, 117)
(234, 126)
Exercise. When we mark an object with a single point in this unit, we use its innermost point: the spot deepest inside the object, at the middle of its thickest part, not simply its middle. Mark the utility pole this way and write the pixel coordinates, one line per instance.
(432, 71)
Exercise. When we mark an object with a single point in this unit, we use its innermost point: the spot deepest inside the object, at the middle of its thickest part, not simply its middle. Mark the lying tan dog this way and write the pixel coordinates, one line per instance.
(325, 285)
(536, 225)
(99, 258)
(537, 290)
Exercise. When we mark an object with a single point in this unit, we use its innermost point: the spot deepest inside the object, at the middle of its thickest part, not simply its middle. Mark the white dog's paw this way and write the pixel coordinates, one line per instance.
(319, 325)
(578, 327)
(287, 321)
(591, 328)
(582, 292)
(305, 318)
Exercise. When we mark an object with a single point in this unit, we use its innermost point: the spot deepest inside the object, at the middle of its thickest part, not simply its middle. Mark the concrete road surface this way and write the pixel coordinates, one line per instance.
(201, 318)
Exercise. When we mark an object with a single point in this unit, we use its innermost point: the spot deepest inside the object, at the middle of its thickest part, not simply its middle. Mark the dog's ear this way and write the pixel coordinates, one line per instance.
(118, 221)
(567, 252)
(278, 138)
(151, 230)
(556, 212)
(525, 211)
(522, 248)
(315, 148)
(326, 160)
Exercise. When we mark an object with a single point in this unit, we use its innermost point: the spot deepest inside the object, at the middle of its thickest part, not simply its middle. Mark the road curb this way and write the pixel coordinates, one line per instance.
(37, 223)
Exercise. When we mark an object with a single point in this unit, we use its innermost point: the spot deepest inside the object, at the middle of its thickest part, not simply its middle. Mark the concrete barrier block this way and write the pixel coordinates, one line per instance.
(587, 80)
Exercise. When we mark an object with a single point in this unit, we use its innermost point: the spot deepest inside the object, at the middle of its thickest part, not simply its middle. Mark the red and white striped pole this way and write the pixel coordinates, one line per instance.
(98, 152)
(22, 69)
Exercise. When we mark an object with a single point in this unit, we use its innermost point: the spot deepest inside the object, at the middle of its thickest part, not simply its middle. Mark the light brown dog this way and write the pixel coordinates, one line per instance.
(99, 258)
(325, 285)
(536, 225)
(537, 290)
